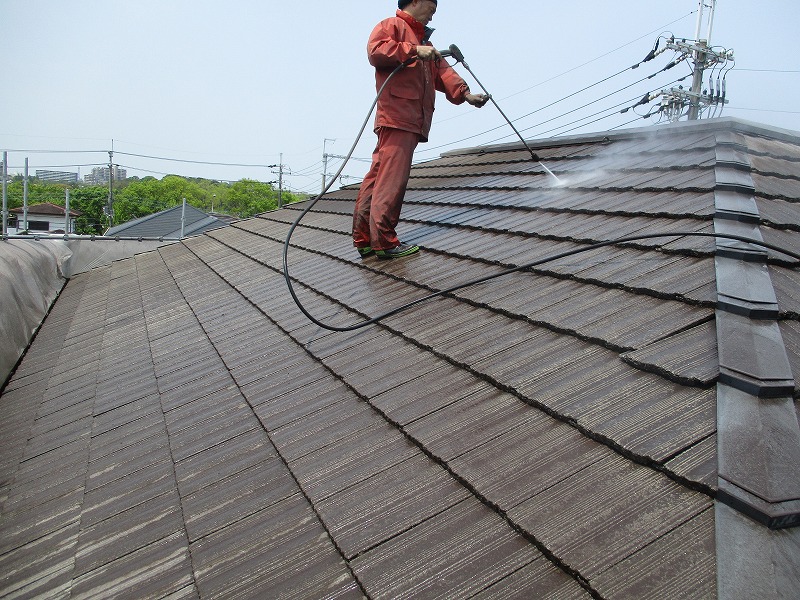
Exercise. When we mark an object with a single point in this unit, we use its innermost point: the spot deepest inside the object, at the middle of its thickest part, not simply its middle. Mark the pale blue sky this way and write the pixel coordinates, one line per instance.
(242, 81)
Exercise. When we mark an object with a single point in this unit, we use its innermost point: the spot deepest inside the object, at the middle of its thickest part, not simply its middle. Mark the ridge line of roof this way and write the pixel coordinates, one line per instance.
(709, 125)
(755, 370)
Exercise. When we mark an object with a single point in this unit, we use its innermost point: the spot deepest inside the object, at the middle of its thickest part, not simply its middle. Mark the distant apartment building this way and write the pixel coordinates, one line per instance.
(56, 176)
(99, 175)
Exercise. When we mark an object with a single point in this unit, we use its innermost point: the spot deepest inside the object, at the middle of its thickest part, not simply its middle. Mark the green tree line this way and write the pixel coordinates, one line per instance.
(134, 198)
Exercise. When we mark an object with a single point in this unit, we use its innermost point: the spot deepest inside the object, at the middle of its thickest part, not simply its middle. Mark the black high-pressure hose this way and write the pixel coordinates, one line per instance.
(454, 52)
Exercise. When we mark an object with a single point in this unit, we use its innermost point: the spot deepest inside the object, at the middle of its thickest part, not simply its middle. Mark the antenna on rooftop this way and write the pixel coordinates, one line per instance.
(676, 101)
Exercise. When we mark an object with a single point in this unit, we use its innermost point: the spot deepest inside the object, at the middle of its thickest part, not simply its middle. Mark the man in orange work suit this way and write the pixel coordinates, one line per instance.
(405, 112)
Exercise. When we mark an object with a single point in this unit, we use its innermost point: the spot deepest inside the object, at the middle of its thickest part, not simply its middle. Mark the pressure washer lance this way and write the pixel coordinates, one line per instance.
(455, 53)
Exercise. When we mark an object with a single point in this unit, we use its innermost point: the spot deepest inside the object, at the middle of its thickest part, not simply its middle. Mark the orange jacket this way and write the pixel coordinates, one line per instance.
(407, 103)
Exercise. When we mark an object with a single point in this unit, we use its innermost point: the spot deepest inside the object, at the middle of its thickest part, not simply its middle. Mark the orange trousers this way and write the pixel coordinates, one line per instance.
(380, 197)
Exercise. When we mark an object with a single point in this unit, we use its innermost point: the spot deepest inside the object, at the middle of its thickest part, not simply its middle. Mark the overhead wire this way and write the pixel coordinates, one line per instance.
(369, 321)
(194, 162)
(670, 65)
(575, 68)
(502, 125)
(632, 67)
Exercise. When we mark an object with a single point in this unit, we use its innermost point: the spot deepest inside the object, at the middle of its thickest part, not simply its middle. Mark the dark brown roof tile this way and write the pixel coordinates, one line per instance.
(610, 510)
(487, 551)
(686, 555)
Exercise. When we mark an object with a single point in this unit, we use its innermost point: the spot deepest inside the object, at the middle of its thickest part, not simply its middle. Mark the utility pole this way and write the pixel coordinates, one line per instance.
(3, 174)
(25, 198)
(109, 210)
(700, 57)
(325, 162)
(676, 101)
(280, 181)
(66, 213)
(279, 166)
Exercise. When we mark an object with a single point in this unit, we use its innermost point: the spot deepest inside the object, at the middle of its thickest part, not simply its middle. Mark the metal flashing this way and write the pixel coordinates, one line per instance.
(758, 438)
(773, 515)
(731, 138)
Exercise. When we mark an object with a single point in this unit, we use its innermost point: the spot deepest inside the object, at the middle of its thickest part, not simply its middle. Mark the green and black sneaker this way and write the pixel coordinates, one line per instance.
(366, 251)
(397, 252)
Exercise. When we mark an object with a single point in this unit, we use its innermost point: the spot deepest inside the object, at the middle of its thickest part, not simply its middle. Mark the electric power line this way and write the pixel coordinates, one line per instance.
(195, 162)
(768, 70)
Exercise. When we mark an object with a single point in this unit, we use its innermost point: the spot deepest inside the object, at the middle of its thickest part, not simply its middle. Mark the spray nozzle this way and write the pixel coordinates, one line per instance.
(454, 52)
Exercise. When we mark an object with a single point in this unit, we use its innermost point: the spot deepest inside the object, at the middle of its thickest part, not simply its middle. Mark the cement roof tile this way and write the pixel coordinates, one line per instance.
(31, 523)
(469, 422)
(149, 522)
(145, 453)
(425, 395)
(475, 545)
(204, 384)
(166, 562)
(524, 461)
(324, 427)
(389, 503)
(239, 495)
(286, 536)
(118, 437)
(351, 459)
(686, 555)
(698, 463)
(123, 494)
(614, 509)
(687, 355)
(277, 409)
(228, 458)
(51, 555)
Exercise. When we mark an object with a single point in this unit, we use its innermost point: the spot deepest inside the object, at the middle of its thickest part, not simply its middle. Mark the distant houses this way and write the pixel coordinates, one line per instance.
(42, 218)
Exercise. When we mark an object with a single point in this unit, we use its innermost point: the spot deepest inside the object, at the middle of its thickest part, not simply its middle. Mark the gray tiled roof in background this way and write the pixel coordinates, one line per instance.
(178, 427)
(167, 224)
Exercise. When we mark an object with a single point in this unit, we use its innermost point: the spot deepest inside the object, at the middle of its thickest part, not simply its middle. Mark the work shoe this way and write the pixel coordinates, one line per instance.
(366, 251)
(397, 252)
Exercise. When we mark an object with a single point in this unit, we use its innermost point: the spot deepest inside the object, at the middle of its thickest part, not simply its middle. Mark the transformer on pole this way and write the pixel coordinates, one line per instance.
(679, 102)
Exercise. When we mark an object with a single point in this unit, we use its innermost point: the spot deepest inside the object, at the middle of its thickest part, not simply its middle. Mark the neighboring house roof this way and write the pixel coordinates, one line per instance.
(167, 224)
(619, 423)
(46, 208)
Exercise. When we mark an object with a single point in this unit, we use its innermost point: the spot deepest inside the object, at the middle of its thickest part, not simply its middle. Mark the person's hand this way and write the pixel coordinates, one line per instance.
(428, 53)
(477, 100)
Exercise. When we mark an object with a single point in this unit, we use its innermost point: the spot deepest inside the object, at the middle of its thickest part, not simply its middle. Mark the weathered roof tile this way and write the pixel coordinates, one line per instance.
(552, 432)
